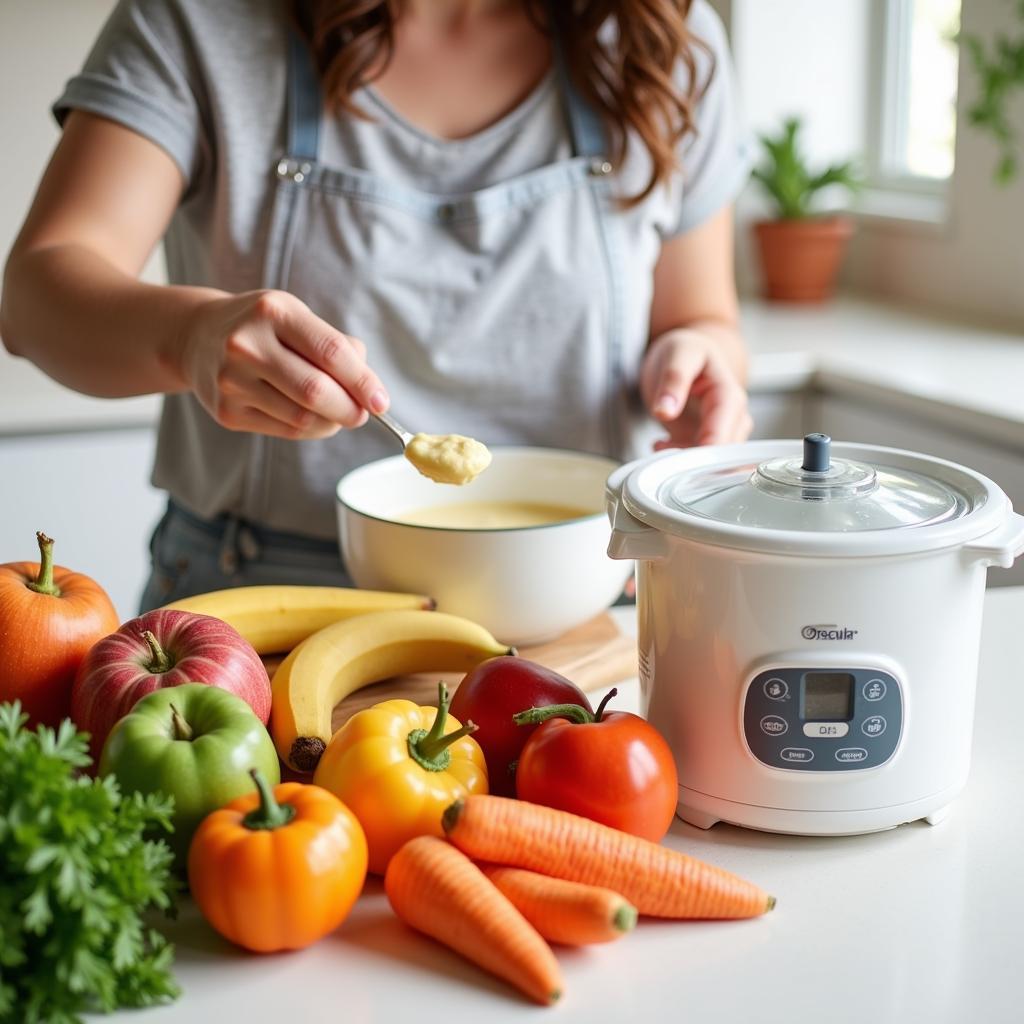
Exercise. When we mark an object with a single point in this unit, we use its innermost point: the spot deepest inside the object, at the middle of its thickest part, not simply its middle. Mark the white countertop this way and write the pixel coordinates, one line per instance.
(920, 923)
(967, 374)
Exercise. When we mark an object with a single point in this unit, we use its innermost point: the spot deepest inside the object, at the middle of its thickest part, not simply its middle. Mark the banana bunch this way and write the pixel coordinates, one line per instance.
(340, 659)
(276, 619)
(340, 640)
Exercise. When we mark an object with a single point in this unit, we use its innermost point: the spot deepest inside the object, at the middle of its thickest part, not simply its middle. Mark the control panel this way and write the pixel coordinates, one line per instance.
(823, 719)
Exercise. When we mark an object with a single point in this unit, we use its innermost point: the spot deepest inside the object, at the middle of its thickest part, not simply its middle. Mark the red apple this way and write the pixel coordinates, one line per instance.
(163, 648)
(496, 690)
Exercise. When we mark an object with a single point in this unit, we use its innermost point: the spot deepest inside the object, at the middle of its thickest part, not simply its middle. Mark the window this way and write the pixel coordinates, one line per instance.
(911, 145)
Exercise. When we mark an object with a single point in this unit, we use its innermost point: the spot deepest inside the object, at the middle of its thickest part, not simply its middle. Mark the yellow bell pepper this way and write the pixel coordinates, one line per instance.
(397, 766)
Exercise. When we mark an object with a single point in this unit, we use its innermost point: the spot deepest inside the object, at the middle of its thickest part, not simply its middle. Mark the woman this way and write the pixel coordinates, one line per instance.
(510, 219)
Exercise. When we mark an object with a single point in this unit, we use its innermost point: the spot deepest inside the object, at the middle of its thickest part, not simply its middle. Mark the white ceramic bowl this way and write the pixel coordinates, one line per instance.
(524, 584)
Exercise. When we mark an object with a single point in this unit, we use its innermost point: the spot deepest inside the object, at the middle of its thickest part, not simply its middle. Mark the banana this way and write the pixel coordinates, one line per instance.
(338, 660)
(276, 619)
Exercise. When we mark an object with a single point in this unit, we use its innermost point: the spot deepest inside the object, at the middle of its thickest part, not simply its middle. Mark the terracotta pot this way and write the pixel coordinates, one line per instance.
(800, 258)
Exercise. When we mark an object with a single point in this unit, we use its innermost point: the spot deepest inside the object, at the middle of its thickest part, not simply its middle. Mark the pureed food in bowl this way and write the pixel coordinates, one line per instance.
(494, 515)
(521, 549)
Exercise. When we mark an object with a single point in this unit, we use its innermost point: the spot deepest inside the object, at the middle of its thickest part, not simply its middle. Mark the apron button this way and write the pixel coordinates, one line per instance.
(600, 167)
(293, 171)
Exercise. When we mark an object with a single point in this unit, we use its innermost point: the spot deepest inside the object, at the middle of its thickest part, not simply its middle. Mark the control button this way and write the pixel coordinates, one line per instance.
(776, 689)
(873, 726)
(826, 730)
(797, 754)
(773, 725)
(874, 689)
(850, 755)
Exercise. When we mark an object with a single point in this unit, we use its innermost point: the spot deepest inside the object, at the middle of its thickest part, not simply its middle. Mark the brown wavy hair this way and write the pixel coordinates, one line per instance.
(628, 76)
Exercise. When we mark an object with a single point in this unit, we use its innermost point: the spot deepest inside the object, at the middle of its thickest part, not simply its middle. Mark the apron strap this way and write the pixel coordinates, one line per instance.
(589, 137)
(303, 101)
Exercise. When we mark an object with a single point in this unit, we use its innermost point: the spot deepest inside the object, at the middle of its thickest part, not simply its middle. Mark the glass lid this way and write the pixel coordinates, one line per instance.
(817, 492)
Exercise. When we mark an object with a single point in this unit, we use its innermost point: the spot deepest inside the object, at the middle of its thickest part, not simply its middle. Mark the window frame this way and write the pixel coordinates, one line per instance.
(892, 192)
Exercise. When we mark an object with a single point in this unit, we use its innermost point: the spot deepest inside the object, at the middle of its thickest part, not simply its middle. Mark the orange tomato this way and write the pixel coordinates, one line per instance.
(278, 869)
(49, 619)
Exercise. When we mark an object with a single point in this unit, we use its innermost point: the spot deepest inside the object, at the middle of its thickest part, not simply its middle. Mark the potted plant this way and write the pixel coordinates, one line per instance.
(801, 250)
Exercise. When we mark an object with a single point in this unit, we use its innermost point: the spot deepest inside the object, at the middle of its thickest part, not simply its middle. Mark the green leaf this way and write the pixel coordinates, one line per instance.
(12, 718)
(1006, 169)
(127, 943)
(37, 911)
(41, 858)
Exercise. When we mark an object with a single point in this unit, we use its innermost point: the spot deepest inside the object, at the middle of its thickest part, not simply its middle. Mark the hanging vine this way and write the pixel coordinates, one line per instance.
(1000, 73)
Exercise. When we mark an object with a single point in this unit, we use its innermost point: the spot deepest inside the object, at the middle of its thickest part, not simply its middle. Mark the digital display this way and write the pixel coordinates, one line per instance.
(827, 696)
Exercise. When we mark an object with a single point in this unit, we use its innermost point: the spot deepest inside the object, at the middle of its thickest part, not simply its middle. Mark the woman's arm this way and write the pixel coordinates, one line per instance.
(73, 305)
(71, 301)
(694, 372)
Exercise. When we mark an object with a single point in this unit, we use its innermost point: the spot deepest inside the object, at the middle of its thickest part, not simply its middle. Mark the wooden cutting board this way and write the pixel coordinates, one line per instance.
(594, 655)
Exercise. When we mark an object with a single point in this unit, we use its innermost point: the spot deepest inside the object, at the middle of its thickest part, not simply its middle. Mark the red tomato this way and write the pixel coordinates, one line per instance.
(612, 767)
(491, 694)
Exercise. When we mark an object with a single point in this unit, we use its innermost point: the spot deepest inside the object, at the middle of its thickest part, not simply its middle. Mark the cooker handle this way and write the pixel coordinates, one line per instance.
(1002, 546)
(631, 539)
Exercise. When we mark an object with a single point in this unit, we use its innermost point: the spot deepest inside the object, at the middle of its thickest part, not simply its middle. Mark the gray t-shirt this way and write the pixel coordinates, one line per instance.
(207, 83)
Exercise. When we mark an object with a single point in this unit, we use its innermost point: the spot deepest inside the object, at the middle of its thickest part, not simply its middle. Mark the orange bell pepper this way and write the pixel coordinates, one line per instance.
(278, 869)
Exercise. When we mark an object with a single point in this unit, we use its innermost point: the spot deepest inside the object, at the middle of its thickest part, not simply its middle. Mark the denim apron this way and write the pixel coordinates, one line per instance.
(423, 279)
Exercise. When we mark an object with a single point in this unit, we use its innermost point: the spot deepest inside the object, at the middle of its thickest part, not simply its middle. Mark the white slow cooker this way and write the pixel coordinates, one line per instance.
(809, 619)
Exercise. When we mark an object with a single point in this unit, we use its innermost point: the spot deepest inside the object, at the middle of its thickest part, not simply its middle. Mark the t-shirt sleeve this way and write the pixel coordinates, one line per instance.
(716, 158)
(142, 74)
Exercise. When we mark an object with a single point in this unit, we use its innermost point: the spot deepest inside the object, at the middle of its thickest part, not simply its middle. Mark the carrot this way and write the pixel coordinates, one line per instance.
(571, 913)
(656, 880)
(437, 890)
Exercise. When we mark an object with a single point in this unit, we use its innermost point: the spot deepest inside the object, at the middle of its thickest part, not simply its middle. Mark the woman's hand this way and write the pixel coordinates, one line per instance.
(689, 385)
(264, 362)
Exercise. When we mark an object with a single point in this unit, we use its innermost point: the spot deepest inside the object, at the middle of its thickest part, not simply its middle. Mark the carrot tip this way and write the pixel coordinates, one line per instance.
(770, 904)
(451, 814)
(625, 918)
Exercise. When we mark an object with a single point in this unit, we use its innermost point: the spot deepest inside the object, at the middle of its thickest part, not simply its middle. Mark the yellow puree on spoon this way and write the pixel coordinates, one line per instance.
(448, 458)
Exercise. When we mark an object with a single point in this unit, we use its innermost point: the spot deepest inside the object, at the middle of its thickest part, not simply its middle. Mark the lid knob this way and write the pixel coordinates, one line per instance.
(817, 453)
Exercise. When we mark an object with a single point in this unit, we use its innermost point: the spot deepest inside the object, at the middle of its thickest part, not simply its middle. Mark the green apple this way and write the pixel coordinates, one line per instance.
(195, 742)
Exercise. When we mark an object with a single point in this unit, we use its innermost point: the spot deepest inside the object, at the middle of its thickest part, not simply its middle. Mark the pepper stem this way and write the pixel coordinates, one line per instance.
(430, 749)
(179, 727)
(43, 583)
(160, 660)
(270, 814)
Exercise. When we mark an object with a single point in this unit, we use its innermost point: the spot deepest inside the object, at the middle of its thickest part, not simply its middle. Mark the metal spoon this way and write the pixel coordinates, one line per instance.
(396, 428)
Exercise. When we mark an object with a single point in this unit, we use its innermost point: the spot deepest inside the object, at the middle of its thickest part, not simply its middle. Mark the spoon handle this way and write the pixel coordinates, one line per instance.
(394, 426)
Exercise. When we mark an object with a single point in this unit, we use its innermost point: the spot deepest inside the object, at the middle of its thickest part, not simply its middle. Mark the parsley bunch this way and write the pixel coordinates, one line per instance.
(75, 875)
